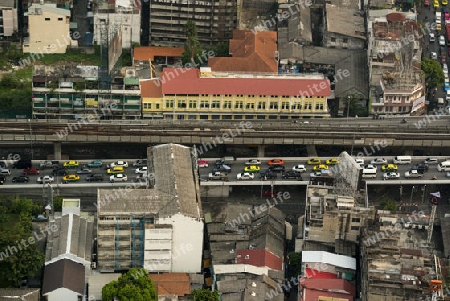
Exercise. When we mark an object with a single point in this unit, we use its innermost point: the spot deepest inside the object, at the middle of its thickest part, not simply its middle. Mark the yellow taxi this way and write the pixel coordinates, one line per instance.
(71, 178)
(389, 167)
(438, 26)
(333, 161)
(436, 3)
(252, 169)
(116, 170)
(320, 167)
(314, 161)
(71, 164)
(444, 2)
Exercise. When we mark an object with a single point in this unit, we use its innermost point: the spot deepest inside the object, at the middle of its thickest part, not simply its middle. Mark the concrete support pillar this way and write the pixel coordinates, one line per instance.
(57, 150)
(261, 149)
(311, 149)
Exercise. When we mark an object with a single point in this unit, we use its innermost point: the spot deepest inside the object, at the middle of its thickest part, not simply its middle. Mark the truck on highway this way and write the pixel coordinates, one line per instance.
(218, 176)
(413, 174)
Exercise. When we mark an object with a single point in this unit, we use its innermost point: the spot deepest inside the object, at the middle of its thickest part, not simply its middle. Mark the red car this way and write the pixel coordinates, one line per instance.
(427, 3)
(31, 171)
(269, 193)
(276, 162)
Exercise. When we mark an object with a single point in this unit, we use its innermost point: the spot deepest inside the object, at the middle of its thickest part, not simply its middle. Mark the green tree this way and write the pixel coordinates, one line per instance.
(434, 76)
(57, 203)
(204, 295)
(131, 286)
(192, 48)
(19, 255)
(388, 204)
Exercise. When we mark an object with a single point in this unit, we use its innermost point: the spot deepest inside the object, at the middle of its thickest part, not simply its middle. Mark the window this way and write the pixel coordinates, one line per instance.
(319, 106)
(355, 228)
(204, 104)
(192, 104)
(169, 104)
(147, 105)
(215, 104)
(47, 19)
(296, 106)
(261, 105)
(60, 19)
(345, 40)
(308, 106)
(333, 40)
(356, 220)
(250, 106)
(182, 104)
(285, 105)
(273, 105)
(157, 105)
(227, 104)
(239, 105)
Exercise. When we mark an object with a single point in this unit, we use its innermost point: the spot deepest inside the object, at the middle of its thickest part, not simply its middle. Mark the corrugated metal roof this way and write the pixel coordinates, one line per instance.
(329, 258)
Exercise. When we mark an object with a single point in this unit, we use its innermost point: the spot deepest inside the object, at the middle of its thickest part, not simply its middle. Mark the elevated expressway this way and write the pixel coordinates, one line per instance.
(353, 132)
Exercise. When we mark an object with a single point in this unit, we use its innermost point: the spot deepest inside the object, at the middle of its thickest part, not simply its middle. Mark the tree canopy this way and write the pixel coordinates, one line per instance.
(434, 76)
(192, 48)
(19, 254)
(204, 295)
(131, 286)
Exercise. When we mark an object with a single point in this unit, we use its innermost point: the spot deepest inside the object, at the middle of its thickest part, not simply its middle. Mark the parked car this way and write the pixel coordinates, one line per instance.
(276, 162)
(299, 168)
(271, 193)
(118, 178)
(378, 161)
(48, 164)
(253, 162)
(277, 168)
(84, 171)
(31, 171)
(20, 179)
(245, 176)
(95, 178)
(421, 168)
(2, 180)
(314, 161)
(201, 163)
(292, 174)
(433, 56)
(426, 3)
(432, 36)
(39, 218)
(222, 168)
(5, 172)
(45, 179)
(252, 169)
(431, 161)
(413, 174)
(140, 163)
(123, 164)
(71, 164)
(95, 164)
(71, 178)
(441, 40)
(268, 175)
(391, 175)
(370, 166)
(141, 170)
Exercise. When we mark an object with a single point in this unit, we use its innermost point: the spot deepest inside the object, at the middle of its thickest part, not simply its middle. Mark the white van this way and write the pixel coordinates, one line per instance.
(444, 166)
(369, 173)
(402, 160)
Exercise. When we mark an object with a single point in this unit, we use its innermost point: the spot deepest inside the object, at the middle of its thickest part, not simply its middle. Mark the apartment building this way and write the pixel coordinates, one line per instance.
(72, 91)
(397, 84)
(159, 228)
(48, 28)
(204, 94)
(8, 18)
(215, 21)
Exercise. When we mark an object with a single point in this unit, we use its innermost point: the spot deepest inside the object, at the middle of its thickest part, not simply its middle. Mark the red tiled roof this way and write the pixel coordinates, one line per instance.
(311, 273)
(251, 52)
(149, 53)
(172, 283)
(260, 258)
(395, 17)
(150, 88)
(340, 286)
(188, 81)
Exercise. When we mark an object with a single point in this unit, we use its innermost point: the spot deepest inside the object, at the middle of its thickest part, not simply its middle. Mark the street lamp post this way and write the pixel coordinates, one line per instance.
(423, 194)
(348, 106)
(412, 191)
(31, 140)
